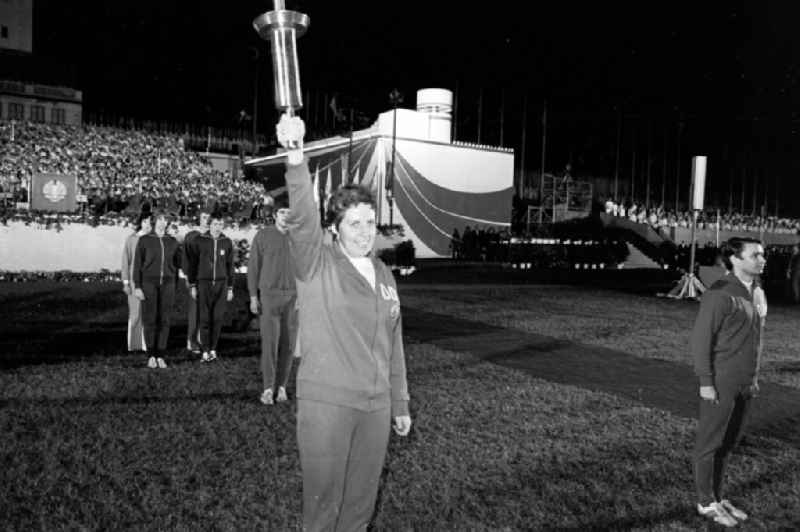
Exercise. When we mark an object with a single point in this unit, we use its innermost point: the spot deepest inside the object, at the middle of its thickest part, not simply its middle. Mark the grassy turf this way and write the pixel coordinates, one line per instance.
(90, 439)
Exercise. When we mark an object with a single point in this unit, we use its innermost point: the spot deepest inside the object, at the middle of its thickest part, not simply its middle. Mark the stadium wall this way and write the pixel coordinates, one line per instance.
(83, 248)
(76, 247)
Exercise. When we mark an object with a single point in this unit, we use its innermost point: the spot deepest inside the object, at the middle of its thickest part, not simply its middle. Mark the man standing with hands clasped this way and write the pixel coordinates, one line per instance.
(726, 347)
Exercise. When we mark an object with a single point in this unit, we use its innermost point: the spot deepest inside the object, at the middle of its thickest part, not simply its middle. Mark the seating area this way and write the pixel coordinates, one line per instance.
(119, 171)
(659, 217)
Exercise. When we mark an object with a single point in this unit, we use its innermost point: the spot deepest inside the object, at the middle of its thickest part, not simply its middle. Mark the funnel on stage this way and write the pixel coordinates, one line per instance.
(282, 28)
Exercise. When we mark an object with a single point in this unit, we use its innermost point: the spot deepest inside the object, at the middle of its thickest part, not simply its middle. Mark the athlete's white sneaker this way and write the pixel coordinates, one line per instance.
(737, 514)
(266, 397)
(717, 513)
(151, 363)
(161, 363)
(281, 397)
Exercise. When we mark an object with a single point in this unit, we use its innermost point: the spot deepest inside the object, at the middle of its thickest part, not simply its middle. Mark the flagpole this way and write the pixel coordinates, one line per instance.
(523, 147)
(649, 162)
(544, 153)
(502, 115)
(633, 163)
(455, 113)
(616, 162)
(350, 149)
(480, 113)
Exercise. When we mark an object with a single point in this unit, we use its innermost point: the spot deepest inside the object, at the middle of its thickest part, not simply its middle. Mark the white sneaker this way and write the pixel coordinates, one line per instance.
(281, 397)
(718, 513)
(151, 363)
(206, 357)
(737, 514)
(212, 355)
(266, 397)
(161, 363)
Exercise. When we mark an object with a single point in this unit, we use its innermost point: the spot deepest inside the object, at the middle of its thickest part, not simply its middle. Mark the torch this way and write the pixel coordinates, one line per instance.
(282, 27)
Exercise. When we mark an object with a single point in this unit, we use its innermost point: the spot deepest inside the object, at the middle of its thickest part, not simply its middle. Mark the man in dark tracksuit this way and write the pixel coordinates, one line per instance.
(793, 274)
(156, 264)
(210, 272)
(726, 347)
(192, 332)
(270, 281)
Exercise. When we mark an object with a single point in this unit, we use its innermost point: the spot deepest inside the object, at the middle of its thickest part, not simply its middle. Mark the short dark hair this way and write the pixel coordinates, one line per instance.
(735, 246)
(156, 214)
(141, 218)
(345, 197)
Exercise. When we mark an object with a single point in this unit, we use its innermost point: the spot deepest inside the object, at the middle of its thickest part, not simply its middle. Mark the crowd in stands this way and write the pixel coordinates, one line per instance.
(658, 217)
(121, 171)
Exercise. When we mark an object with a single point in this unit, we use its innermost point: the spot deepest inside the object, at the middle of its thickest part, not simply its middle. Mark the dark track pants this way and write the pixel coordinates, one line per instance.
(192, 330)
(156, 311)
(278, 329)
(342, 451)
(719, 429)
(211, 303)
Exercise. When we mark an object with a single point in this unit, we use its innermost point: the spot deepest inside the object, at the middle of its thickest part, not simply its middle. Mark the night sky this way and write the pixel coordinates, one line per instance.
(729, 74)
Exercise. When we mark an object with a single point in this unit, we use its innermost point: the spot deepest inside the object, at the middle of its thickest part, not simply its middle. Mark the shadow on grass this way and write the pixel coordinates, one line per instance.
(656, 383)
(55, 343)
(245, 396)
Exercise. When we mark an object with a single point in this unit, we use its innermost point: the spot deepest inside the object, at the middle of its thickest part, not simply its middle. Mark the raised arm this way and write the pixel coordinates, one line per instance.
(305, 231)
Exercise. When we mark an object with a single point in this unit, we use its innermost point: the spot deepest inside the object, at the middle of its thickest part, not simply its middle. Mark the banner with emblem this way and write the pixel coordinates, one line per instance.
(54, 192)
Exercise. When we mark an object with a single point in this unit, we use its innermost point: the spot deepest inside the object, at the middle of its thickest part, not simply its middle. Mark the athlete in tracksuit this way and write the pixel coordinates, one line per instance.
(351, 383)
(192, 331)
(135, 327)
(210, 273)
(726, 346)
(273, 296)
(155, 268)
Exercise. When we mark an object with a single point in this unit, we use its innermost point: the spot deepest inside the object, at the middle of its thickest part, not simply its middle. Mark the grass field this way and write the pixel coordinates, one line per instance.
(535, 408)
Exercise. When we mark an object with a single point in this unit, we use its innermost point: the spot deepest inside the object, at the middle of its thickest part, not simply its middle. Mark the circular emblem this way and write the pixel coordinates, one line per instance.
(54, 190)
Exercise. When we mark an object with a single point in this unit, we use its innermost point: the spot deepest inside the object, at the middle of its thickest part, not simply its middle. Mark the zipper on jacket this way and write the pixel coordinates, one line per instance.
(161, 276)
(214, 263)
(376, 299)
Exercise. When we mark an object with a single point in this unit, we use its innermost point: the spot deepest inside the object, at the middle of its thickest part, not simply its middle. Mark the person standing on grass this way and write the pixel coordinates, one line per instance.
(192, 331)
(351, 383)
(135, 329)
(726, 346)
(155, 268)
(273, 297)
(793, 274)
(210, 273)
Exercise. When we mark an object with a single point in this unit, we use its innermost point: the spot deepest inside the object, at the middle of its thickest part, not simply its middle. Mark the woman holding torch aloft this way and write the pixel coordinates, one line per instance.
(351, 383)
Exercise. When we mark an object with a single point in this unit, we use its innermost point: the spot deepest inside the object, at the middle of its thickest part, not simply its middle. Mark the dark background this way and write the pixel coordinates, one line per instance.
(724, 75)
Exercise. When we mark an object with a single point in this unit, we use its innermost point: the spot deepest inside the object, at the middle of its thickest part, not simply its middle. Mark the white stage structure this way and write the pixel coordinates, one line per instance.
(439, 186)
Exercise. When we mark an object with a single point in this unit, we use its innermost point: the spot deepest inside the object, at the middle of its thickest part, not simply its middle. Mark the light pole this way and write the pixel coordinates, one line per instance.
(396, 98)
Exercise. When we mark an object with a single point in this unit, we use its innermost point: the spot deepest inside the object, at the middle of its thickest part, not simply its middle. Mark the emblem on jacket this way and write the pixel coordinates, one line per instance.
(390, 294)
(54, 190)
